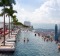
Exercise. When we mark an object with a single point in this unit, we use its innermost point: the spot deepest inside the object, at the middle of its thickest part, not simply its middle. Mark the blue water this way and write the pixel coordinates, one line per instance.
(34, 47)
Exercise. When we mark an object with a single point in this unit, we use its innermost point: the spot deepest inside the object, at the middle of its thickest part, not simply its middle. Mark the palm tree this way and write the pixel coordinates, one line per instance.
(15, 22)
(9, 12)
(4, 3)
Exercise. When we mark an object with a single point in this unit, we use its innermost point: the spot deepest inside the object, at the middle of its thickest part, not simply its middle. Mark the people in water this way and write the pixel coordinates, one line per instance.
(59, 46)
(26, 40)
(35, 34)
(48, 39)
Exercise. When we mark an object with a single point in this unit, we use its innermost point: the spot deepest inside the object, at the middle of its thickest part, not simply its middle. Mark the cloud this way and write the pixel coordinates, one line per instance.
(22, 14)
(48, 12)
(31, 5)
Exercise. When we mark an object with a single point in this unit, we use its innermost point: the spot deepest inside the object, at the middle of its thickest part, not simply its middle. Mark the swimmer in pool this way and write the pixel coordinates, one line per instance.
(27, 40)
(24, 40)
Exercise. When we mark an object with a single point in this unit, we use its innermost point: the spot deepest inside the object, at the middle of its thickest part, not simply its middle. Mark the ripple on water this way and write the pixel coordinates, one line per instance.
(35, 47)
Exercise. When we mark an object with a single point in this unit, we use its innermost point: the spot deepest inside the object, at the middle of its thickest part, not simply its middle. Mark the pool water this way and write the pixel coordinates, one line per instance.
(30, 45)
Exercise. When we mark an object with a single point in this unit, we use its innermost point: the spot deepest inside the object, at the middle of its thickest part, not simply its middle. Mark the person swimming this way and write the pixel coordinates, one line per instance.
(35, 34)
(24, 40)
(27, 40)
(59, 46)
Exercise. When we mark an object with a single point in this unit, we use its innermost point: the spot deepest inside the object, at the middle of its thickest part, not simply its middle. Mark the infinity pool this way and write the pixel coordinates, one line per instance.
(30, 45)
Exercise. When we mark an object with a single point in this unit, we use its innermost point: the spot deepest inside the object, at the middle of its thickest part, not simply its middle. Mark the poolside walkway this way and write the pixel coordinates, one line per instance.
(9, 42)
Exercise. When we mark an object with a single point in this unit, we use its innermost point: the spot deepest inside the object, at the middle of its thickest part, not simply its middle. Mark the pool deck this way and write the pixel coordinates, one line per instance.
(9, 42)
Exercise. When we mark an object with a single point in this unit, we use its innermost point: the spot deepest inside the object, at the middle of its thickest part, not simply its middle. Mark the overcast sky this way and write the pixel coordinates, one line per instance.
(38, 11)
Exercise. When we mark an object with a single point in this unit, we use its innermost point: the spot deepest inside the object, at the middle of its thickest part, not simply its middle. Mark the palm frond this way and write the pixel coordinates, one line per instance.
(12, 1)
(7, 2)
(1, 4)
(9, 11)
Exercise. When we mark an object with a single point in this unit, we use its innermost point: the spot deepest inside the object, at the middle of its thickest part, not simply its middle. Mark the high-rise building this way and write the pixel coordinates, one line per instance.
(59, 33)
(59, 29)
(27, 23)
(56, 32)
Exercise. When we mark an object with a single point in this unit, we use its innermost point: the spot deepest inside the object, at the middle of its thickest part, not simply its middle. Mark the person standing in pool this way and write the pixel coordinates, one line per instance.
(24, 40)
(27, 40)
(35, 34)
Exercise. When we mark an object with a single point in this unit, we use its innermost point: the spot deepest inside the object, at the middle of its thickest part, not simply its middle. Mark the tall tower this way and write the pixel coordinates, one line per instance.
(59, 33)
(56, 32)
